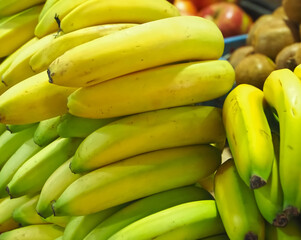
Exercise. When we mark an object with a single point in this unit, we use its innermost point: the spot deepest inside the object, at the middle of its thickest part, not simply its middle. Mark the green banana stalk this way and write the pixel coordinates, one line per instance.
(73, 126)
(236, 204)
(144, 207)
(32, 175)
(46, 131)
(24, 152)
(149, 131)
(128, 180)
(18, 127)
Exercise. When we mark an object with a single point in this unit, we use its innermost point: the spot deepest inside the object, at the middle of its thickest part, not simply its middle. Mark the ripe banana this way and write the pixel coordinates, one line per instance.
(73, 126)
(33, 100)
(146, 132)
(41, 59)
(18, 29)
(19, 127)
(47, 5)
(144, 207)
(46, 131)
(249, 134)
(127, 180)
(57, 182)
(236, 204)
(202, 213)
(10, 142)
(282, 90)
(34, 232)
(140, 47)
(11, 7)
(23, 153)
(156, 88)
(297, 71)
(32, 175)
(96, 12)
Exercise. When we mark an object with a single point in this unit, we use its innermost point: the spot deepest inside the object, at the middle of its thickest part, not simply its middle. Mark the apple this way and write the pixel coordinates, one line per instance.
(200, 4)
(231, 19)
(186, 8)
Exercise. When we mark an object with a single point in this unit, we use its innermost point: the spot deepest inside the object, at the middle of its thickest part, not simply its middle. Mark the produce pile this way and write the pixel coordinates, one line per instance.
(107, 131)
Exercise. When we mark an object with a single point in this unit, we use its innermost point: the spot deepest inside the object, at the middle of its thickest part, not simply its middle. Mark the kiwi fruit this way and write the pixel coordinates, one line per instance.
(239, 54)
(292, 9)
(254, 69)
(287, 57)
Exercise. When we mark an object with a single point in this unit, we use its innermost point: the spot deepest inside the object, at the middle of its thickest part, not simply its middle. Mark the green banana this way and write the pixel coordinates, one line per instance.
(46, 131)
(127, 180)
(156, 88)
(34, 232)
(236, 204)
(32, 175)
(217, 237)
(282, 90)
(23, 153)
(57, 182)
(10, 142)
(141, 46)
(292, 231)
(2, 128)
(144, 207)
(11, 7)
(146, 132)
(73, 126)
(203, 212)
(249, 134)
(96, 12)
(17, 128)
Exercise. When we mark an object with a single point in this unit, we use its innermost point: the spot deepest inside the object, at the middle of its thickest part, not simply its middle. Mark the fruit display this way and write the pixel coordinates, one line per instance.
(108, 131)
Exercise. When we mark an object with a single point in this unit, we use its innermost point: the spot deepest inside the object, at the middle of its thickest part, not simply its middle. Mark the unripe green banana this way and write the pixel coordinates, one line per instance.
(2, 128)
(24, 152)
(149, 131)
(73, 126)
(217, 237)
(292, 231)
(165, 169)
(17, 128)
(46, 131)
(32, 175)
(144, 207)
(236, 205)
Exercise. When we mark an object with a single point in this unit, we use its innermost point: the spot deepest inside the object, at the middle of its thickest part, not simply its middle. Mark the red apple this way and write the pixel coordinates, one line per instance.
(186, 7)
(204, 3)
(231, 19)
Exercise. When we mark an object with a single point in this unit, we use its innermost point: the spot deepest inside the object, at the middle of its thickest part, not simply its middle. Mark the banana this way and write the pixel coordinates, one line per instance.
(156, 88)
(297, 71)
(11, 7)
(32, 175)
(34, 232)
(47, 5)
(59, 221)
(79, 226)
(292, 231)
(18, 29)
(96, 12)
(142, 208)
(217, 237)
(58, 46)
(10, 142)
(140, 47)
(46, 131)
(146, 132)
(249, 134)
(126, 180)
(23, 153)
(236, 204)
(282, 90)
(7, 207)
(73, 126)
(201, 213)
(20, 68)
(54, 186)
(33, 100)
(2, 128)
(19, 127)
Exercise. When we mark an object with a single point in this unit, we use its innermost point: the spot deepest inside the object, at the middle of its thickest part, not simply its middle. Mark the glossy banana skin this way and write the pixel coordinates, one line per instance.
(11, 7)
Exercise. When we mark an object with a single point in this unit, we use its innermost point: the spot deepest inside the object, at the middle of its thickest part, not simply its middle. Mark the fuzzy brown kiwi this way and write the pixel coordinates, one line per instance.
(239, 54)
(286, 58)
(292, 9)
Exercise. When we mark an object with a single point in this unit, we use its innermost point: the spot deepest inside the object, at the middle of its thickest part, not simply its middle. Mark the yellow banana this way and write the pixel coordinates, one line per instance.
(146, 132)
(41, 59)
(34, 232)
(11, 7)
(126, 180)
(297, 71)
(236, 204)
(282, 90)
(140, 47)
(155, 88)
(47, 5)
(18, 29)
(23, 153)
(33, 100)
(54, 186)
(96, 12)
(249, 134)
(140, 209)
(32, 175)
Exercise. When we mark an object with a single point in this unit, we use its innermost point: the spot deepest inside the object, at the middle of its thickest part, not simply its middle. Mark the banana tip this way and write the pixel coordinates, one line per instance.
(257, 182)
(52, 207)
(8, 191)
(251, 236)
(281, 220)
(291, 211)
(49, 76)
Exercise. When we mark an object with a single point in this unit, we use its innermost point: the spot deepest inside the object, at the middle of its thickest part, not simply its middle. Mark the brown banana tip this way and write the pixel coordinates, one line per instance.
(70, 166)
(251, 236)
(8, 129)
(52, 207)
(291, 211)
(281, 220)
(2, 80)
(40, 214)
(49, 76)
(257, 182)
(8, 191)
